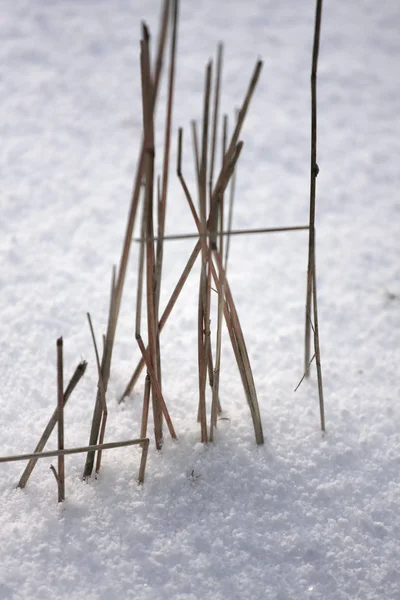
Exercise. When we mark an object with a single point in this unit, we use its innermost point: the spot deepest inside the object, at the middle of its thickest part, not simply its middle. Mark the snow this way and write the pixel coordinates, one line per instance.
(304, 516)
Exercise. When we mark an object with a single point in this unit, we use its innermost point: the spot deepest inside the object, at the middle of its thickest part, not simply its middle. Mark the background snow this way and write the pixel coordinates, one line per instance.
(304, 516)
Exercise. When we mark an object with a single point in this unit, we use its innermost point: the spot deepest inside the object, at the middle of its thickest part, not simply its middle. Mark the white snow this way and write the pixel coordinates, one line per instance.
(305, 516)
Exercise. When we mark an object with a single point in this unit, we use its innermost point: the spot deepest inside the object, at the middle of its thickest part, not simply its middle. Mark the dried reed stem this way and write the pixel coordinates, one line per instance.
(60, 406)
(217, 95)
(107, 356)
(66, 451)
(257, 231)
(230, 218)
(146, 406)
(150, 259)
(222, 199)
(164, 317)
(139, 291)
(98, 414)
(102, 393)
(195, 142)
(241, 345)
(76, 377)
(317, 349)
(313, 180)
(215, 406)
(204, 295)
(162, 204)
(219, 190)
(155, 386)
(241, 117)
(183, 181)
(142, 468)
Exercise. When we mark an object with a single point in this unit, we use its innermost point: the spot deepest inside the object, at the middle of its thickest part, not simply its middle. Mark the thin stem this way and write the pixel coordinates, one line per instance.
(146, 406)
(195, 142)
(252, 397)
(313, 180)
(192, 236)
(156, 386)
(222, 199)
(112, 324)
(60, 405)
(76, 377)
(102, 393)
(142, 468)
(217, 95)
(303, 377)
(150, 259)
(230, 219)
(317, 350)
(66, 451)
(164, 318)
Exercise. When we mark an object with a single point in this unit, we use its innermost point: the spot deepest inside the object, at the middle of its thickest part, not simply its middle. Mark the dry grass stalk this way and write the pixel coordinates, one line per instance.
(59, 488)
(60, 406)
(108, 342)
(156, 387)
(139, 292)
(317, 349)
(162, 204)
(146, 406)
(313, 180)
(243, 111)
(237, 346)
(112, 324)
(303, 377)
(217, 94)
(222, 199)
(148, 115)
(183, 181)
(195, 142)
(142, 468)
(230, 218)
(164, 317)
(242, 350)
(204, 288)
(78, 374)
(102, 393)
(232, 232)
(215, 405)
(67, 451)
(204, 154)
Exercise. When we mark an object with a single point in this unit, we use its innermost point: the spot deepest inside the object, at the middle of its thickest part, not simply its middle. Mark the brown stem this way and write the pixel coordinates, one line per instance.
(78, 374)
(60, 405)
(112, 324)
(313, 180)
(164, 318)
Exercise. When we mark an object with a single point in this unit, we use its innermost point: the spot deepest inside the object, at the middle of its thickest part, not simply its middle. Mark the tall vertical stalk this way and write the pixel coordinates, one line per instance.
(60, 405)
(112, 324)
(313, 181)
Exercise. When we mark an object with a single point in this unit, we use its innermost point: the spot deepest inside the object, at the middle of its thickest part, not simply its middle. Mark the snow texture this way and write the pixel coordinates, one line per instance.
(304, 516)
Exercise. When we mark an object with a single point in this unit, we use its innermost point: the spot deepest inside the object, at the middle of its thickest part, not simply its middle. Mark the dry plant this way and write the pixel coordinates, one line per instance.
(311, 297)
(76, 377)
(208, 212)
(212, 236)
(208, 219)
(60, 405)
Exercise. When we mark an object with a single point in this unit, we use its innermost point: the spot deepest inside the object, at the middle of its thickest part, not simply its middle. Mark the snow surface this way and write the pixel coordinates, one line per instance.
(305, 516)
